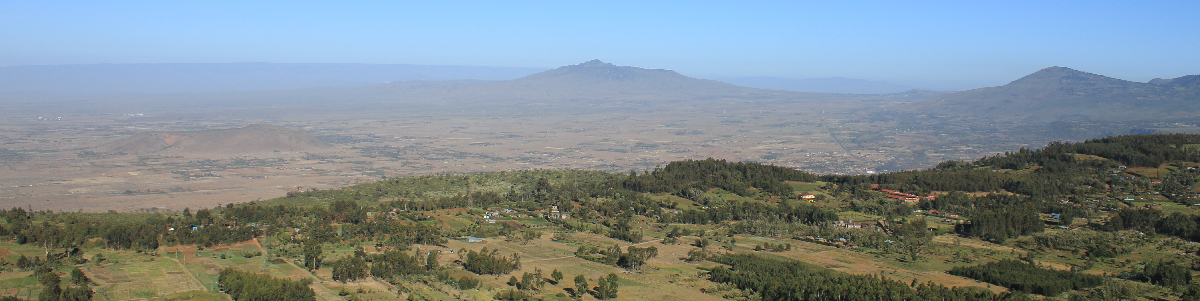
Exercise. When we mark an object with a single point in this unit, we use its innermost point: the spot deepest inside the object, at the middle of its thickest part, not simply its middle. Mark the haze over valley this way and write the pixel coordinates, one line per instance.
(100, 152)
(572, 151)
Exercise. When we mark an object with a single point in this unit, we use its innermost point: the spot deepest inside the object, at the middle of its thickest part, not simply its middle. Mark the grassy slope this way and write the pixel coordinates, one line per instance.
(187, 271)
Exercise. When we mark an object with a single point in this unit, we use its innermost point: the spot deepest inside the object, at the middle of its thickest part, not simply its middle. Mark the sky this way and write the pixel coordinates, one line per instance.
(942, 45)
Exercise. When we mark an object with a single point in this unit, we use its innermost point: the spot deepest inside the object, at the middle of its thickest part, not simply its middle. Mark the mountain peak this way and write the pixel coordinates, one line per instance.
(1182, 81)
(594, 63)
(601, 71)
(1057, 93)
(1065, 77)
(1054, 72)
(595, 79)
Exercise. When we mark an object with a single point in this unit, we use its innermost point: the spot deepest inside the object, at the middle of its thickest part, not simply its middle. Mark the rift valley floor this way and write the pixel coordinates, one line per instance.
(50, 161)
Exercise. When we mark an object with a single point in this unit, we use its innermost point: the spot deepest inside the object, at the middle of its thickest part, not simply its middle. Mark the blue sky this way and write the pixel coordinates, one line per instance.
(930, 44)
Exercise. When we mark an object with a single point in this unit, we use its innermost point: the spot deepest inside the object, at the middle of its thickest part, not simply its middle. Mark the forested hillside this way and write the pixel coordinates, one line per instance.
(1102, 218)
(1059, 169)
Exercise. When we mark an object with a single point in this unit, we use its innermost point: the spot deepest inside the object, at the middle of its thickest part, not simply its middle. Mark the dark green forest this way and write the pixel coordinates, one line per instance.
(1028, 277)
(792, 280)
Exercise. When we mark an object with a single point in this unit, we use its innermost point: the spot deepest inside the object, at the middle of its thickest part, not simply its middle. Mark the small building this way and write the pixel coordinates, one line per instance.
(808, 197)
(906, 199)
(474, 239)
(555, 214)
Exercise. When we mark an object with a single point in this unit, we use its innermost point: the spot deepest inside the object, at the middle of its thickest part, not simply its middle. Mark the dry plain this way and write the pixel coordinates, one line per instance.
(53, 166)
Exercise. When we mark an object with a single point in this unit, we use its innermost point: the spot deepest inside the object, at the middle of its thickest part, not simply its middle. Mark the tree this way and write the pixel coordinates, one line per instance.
(778, 279)
(393, 263)
(490, 263)
(50, 288)
(349, 268)
(1168, 274)
(76, 293)
(312, 256)
(431, 262)
(24, 263)
(539, 277)
(243, 286)
(636, 257)
(1028, 278)
(914, 237)
(527, 282)
(581, 287)
(556, 275)
(602, 288)
(607, 287)
(511, 295)
(1192, 293)
(623, 231)
(528, 235)
(78, 278)
(612, 285)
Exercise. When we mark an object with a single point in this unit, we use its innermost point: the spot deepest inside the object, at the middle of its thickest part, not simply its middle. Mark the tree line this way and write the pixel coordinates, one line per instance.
(1029, 278)
(775, 279)
(244, 286)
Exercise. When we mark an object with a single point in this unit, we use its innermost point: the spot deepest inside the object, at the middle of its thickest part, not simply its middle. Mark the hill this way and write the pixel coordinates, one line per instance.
(591, 82)
(1059, 93)
(600, 80)
(246, 140)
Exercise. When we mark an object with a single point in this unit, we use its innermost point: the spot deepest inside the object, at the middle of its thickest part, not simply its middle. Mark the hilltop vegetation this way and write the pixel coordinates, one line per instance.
(1058, 170)
(1105, 218)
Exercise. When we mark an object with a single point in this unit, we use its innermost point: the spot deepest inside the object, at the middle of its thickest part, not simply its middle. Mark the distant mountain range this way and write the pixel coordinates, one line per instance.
(101, 79)
(580, 88)
(589, 81)
(1049, 95)
(819, 85)
(596, 82)
(1059, 93)
(593, 79)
